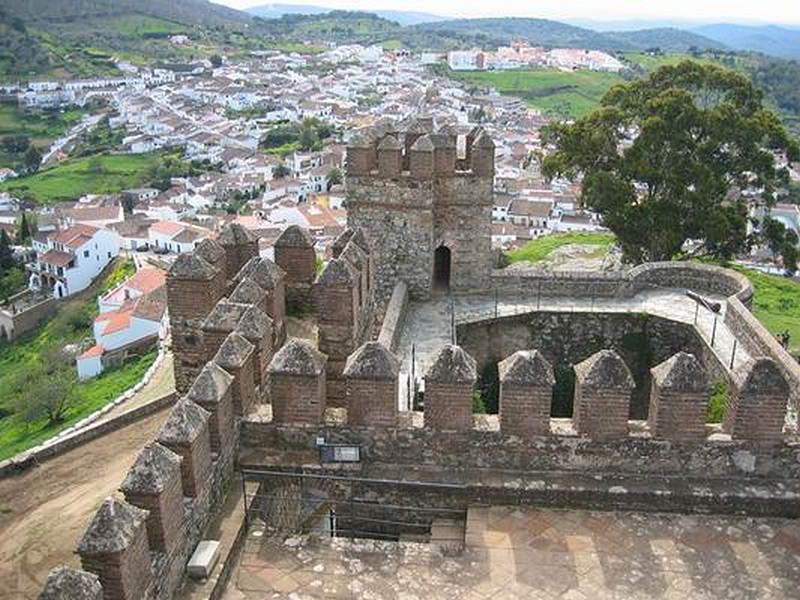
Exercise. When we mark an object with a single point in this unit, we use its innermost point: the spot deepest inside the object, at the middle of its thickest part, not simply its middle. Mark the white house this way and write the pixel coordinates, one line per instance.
(145, 281)
(465, 60)
(174, 236)
(70, 259)
(138, 322)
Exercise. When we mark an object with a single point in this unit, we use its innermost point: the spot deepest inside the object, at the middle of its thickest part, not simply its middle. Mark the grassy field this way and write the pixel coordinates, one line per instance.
(40, 126)
(561, 93)
(92, 175)
(27, 363)
(776, 304)
(540, 248)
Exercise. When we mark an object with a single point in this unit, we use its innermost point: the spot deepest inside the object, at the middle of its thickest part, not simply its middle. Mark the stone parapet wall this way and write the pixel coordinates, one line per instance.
(485, 447)
(393, 319)
(760, 342)
(706, 279)
(182, 499)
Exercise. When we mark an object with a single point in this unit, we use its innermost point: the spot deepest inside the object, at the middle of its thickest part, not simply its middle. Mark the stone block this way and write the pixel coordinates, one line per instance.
(115, 548)
(526, 394)
(186, 433)
(297, 384)
(449, 385)
(154, 484)
(603, 386)
(64, 583)
(679, 392)
(757, 403)
(371, 375)
(204, 559)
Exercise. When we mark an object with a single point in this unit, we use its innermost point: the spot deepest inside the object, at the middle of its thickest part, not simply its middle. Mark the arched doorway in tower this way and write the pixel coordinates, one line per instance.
(441, 269)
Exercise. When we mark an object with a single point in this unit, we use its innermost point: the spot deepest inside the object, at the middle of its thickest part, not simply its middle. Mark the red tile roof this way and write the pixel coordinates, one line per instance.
(56, 258)
(75, 236)
(169, 228)
(116, 320)
(96, 350)
(147, 280)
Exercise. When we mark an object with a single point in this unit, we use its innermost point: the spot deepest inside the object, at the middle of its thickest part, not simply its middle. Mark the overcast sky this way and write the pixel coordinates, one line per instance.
(717, 11)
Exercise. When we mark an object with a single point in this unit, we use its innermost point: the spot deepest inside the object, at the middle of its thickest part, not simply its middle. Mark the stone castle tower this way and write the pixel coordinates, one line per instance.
(424, 197)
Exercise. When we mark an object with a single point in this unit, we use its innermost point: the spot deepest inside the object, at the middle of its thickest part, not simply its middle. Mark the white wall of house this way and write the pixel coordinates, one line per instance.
(90, 259)
(139, 329)
(89, 367)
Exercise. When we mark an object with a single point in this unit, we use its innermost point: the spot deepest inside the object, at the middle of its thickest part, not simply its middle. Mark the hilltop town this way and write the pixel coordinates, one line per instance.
(336, 317)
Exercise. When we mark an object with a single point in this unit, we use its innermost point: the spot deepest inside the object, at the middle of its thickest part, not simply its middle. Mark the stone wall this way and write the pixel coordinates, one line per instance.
(21, 313)
(676, 449)
(344, 307)
(182, 479)
(760, 342)
(565, 339)
(704, 279)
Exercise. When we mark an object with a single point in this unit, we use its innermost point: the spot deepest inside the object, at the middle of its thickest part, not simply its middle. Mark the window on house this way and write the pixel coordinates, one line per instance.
(109, 254)
(86, 254)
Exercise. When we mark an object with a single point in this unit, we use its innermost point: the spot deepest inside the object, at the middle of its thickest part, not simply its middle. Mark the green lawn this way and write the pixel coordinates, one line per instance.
(91, 175)
(562, 93)
(17, 436)
(540, 248)
(776, 304)
(30, 363)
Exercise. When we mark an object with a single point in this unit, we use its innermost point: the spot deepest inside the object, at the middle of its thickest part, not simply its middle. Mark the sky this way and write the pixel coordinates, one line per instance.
(710, 11)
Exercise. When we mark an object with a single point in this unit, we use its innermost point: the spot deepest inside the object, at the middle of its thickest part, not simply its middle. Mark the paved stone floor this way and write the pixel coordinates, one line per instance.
(538, 554)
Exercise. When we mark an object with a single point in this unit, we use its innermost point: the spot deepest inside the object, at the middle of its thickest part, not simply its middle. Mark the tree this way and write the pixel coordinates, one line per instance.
(6, 252)
(16, 144)
(32, 159)
(215, 60)
(50, 398)
(334, 177)
(781, 241)
(666, 158)
(23, 229)
(280, 171)
(308, 135)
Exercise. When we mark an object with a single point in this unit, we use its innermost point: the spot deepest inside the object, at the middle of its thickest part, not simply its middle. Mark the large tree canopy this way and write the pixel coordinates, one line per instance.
(675, 156)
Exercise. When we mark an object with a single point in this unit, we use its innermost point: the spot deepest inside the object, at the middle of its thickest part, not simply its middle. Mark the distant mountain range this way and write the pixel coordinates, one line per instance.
(783, 42)
(370, 28)
(81, 37)
(668, 34)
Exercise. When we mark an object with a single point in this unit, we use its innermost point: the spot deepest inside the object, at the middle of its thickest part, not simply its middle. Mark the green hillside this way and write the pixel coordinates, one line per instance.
(55, 38)
(554, 92)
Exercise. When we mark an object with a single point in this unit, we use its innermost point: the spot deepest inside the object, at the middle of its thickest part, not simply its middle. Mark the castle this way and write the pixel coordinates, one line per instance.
(277, 409)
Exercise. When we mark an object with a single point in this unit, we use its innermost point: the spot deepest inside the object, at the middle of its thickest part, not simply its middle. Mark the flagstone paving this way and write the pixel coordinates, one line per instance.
(512, 552)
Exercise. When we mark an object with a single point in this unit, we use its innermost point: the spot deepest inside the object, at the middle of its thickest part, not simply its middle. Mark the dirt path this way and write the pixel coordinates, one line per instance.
(44, 511)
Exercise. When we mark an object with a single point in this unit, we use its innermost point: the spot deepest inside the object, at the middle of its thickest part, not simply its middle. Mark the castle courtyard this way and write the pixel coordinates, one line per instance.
(523, 552)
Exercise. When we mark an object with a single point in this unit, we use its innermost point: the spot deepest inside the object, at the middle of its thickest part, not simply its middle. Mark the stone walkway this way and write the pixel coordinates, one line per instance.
(529, 553)
(428, 325)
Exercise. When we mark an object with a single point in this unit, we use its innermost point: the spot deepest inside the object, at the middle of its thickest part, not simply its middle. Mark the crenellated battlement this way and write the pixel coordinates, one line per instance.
(419, 152)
